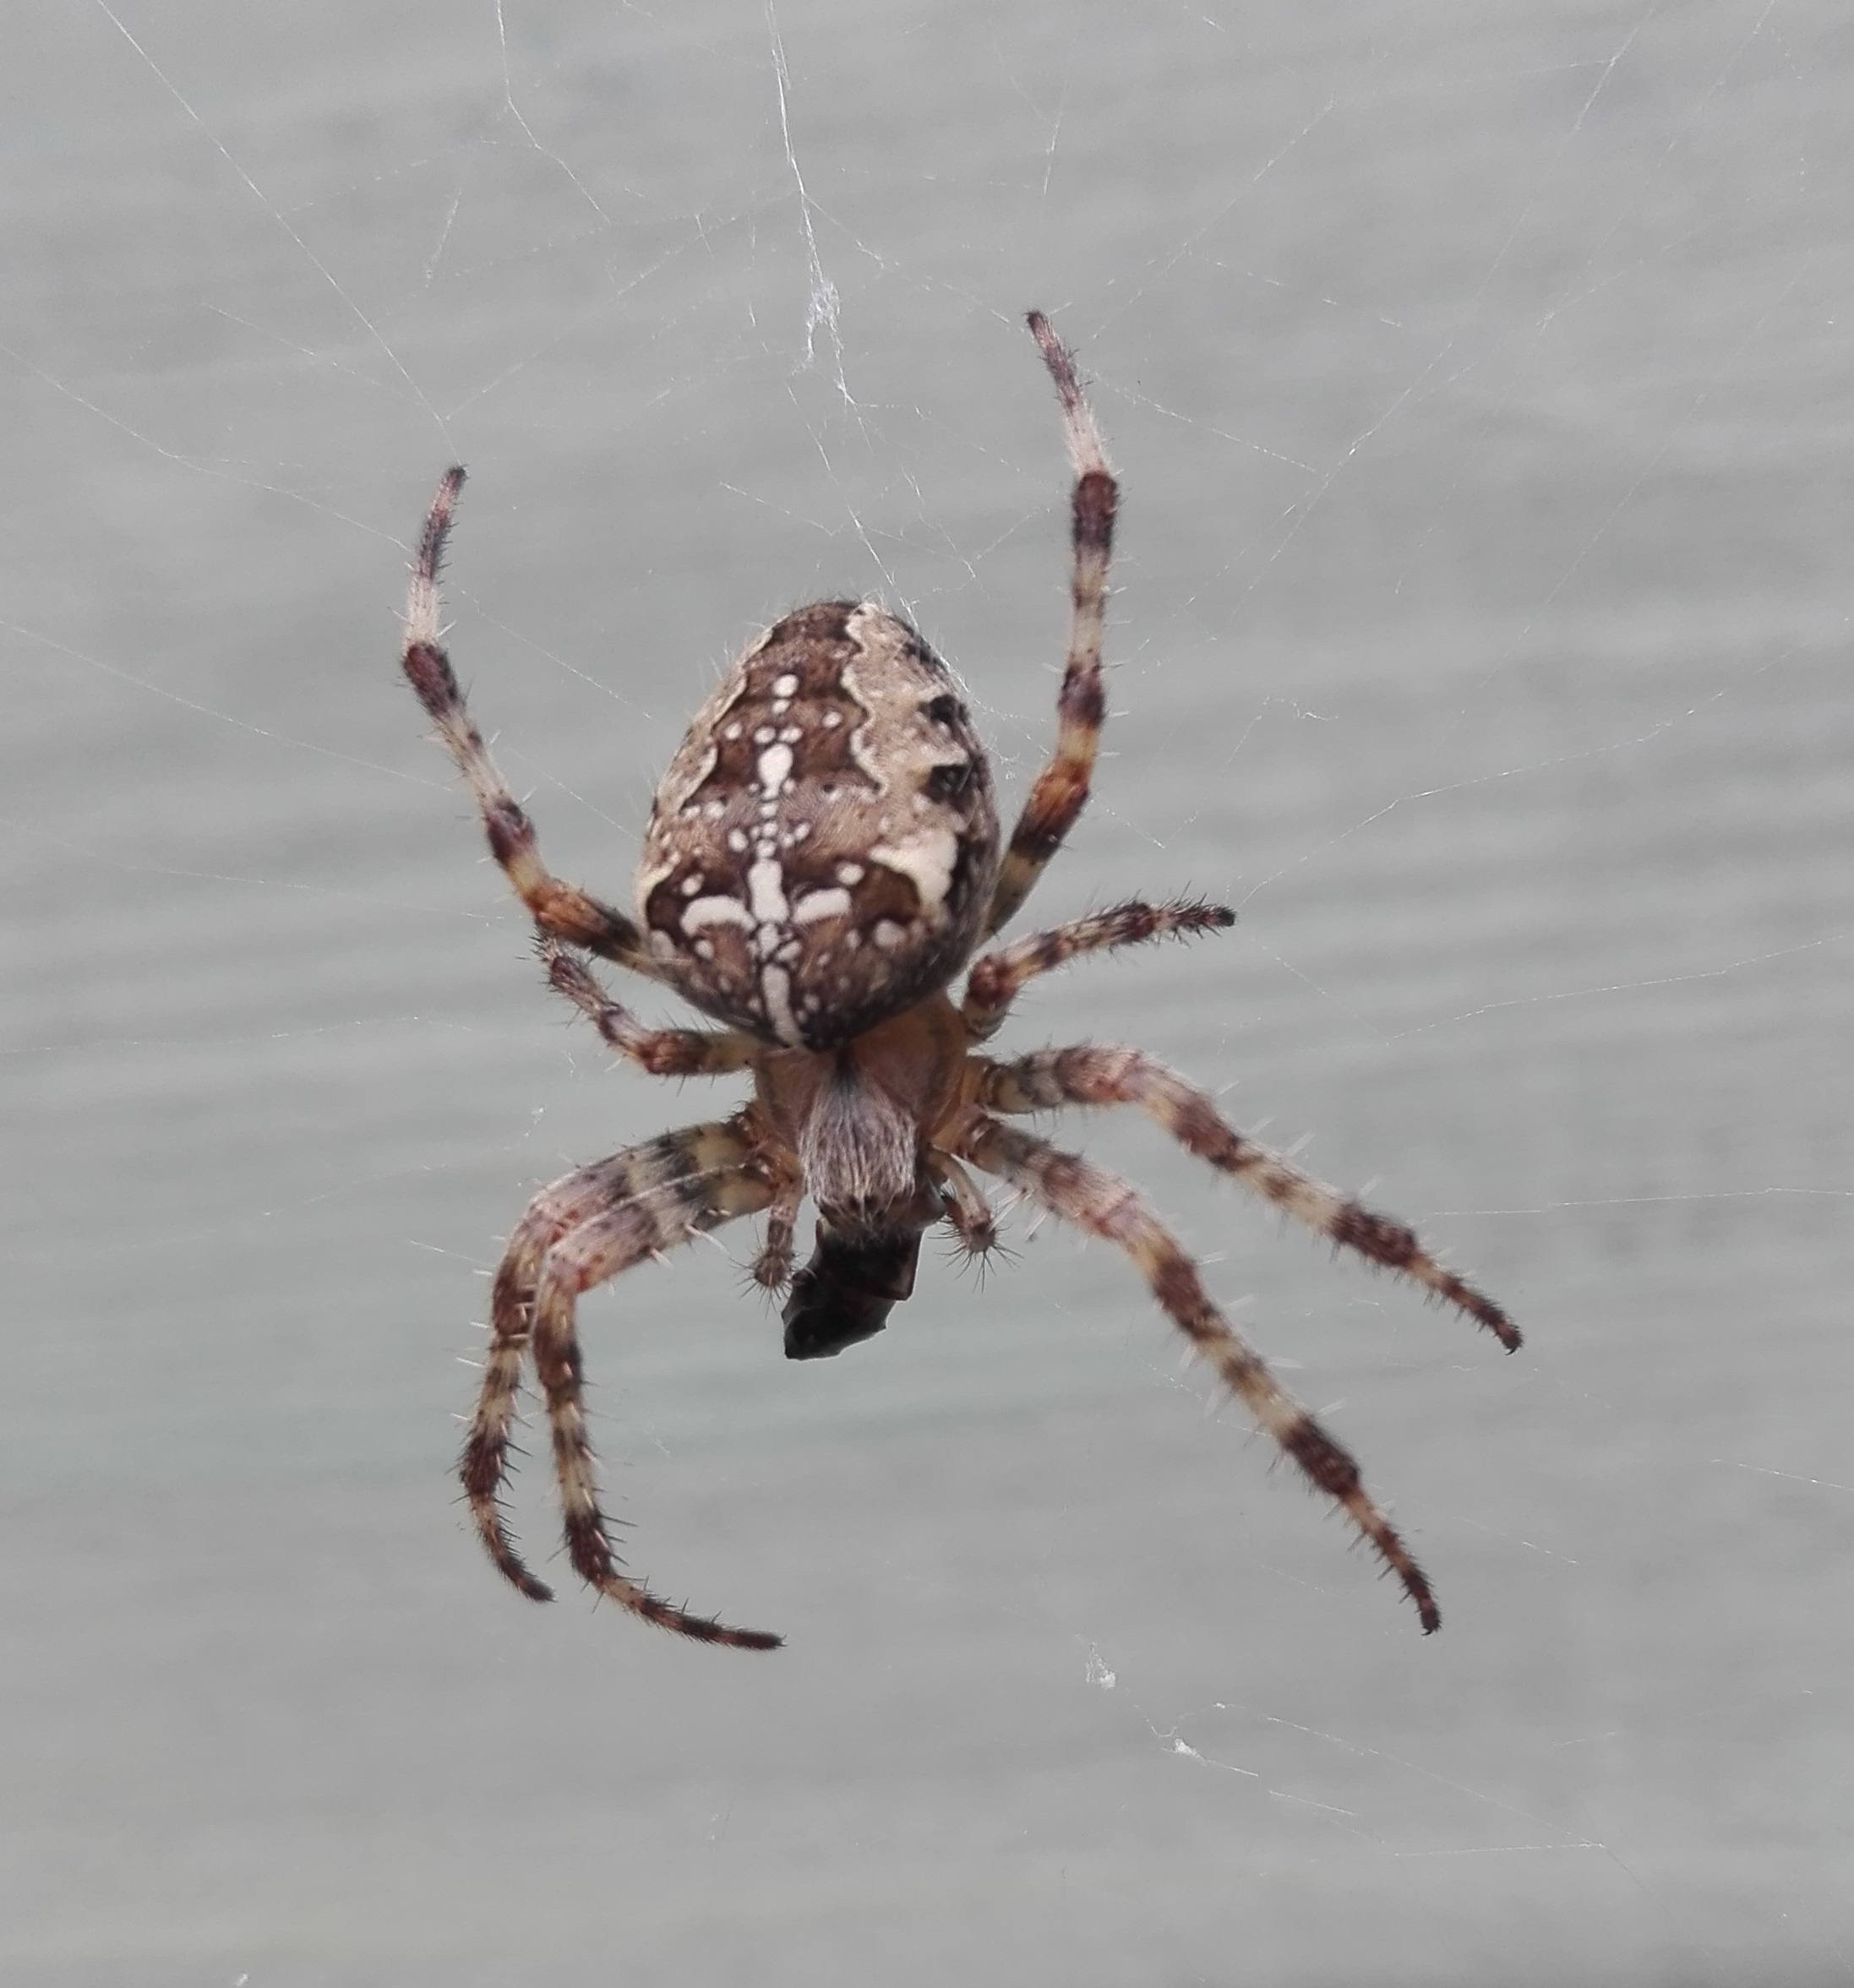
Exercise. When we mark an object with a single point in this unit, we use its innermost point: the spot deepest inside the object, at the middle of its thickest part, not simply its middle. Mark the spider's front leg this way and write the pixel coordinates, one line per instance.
(1091, 1073)
(1076, 1191)
(558, 909)
(579, 1233)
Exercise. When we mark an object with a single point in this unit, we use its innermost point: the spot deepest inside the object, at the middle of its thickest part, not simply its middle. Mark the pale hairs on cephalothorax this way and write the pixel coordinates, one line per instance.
(858, 1148)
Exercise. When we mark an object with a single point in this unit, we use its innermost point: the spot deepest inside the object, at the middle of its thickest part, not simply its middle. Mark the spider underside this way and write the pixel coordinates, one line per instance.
(823, 860)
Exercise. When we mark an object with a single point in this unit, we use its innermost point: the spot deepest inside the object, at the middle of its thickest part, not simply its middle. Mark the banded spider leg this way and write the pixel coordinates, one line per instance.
(1078, 1191)
(578, 1233)
(997, 978)
(1092, 1073)
(1061, 790)
(559, 910)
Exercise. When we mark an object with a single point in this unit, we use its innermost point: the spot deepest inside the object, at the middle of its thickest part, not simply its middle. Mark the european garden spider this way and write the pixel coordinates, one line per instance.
(822, 860)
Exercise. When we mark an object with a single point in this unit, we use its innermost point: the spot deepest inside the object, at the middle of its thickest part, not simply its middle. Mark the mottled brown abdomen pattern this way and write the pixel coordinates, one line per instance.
(823, 845)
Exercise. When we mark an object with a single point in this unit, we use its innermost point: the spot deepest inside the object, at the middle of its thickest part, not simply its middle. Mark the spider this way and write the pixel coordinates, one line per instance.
(823, 859)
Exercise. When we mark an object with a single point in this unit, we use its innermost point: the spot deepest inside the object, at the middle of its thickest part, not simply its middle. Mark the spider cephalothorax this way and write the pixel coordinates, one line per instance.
(823, 860)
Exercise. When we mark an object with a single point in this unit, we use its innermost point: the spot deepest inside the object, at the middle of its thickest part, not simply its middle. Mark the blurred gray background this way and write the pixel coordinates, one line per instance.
(1479, 378)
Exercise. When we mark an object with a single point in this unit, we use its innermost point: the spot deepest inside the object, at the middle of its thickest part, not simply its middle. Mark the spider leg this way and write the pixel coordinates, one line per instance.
(557, 1209)
(998, 978)
(1078, 1191)
(721, 1183)
(664, 1052)
(1094, 1074)
(1061, 789)
(559, 909)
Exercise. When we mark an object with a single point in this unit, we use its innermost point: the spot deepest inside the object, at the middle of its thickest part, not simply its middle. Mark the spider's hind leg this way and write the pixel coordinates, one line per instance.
(559, 909)
(1062, 789)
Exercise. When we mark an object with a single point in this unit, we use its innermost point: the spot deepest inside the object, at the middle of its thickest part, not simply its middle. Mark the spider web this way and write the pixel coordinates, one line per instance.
(1478, 381)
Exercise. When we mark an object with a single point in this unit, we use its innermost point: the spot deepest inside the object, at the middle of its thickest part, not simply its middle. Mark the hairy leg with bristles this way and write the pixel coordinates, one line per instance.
(561, 1206)
(1104, 1074)
(998, 978)
(771, 1268)
(1078, 1191)
(969, 1213)
(1061, 787)
(559, 909)
(599, 1249)
(664, 1052)
(564, 1206)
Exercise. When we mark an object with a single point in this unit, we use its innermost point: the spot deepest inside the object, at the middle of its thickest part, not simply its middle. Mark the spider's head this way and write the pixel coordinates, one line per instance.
(854, 1120)
(857, 1118)
(859, 1149)
(860, 1152)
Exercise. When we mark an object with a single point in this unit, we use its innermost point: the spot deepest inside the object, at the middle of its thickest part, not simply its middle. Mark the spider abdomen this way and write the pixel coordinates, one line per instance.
(823, 845)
